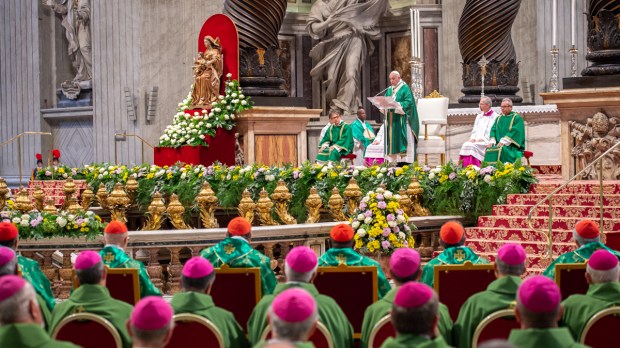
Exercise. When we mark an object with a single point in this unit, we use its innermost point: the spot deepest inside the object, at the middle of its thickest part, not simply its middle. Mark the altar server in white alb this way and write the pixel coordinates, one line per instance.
(472, 151)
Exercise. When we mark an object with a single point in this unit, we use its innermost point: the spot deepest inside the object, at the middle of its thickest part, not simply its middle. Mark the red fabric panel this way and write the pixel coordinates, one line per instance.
(165, 156)
(613, 240)
(467, 282)
(187, 334)
(498, 328)
(337, 285)
(387, 330)
(220, 25)
(235, 293)
(121, 287)
(86, 333)
(221, 148)
(573, 282)
(604, 332)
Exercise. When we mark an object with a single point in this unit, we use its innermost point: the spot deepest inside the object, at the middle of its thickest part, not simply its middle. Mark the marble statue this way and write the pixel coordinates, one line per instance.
(345, 30)
(208, 69)
(592, 140)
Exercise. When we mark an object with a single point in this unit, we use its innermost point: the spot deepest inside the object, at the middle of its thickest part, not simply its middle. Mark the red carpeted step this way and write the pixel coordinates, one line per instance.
(517, 235)
(564, 199)
(558, 210)
(531, 248)
(536, 264)
(559, 223)
(576, 187)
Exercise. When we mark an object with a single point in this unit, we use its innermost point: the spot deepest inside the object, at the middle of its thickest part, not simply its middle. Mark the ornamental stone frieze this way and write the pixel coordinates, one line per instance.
(591, 140)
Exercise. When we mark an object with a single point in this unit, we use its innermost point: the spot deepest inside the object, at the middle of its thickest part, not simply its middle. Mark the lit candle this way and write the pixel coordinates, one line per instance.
(412, 33)
(419, 38)
(554, 22)
(573, 21)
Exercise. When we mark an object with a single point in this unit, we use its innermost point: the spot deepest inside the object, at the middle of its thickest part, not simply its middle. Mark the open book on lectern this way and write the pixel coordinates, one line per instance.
(385, 103)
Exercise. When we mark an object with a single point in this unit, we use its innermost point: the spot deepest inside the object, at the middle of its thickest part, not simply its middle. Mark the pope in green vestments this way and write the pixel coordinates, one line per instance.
(349, 257)
(115, 257)
(450, 256)
(536, 338)
(29, 335)
(411, 341)
(581, 255)
(95, 299)
(337, 141)
(202, 305)
(236, 252)
(381, 308)
(396, 138)
(500, 294)
(330, 314)
(32, 273)
(508, 135)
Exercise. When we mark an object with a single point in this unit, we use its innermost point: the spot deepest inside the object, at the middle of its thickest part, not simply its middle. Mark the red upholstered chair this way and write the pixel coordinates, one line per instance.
(321, 338)
(381, 331)
(123, 284)
(87, 330)
(237, 290)
(347, 159)
(467, 278)
(602, 328)
(612, 240)
(191, 328)
(353, 288)
(571, 278)
(495, 325)
(527, 155)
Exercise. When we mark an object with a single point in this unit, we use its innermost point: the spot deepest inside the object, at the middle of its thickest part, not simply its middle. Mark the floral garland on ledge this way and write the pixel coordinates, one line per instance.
(38, 225)
(448, 189)
(191, 127)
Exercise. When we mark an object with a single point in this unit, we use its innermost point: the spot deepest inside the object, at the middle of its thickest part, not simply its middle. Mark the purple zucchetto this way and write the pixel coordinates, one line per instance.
(404, 262)
(511, 254)
(293, 305)
(197, 267)
(87, 259)
(539, 294)
(413, 295)
(151, 313)
(6, 255)
(602, 260)
(301, 259)
(10, 285)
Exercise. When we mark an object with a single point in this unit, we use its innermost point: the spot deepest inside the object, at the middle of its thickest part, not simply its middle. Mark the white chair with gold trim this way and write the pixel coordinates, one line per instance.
(433, 115)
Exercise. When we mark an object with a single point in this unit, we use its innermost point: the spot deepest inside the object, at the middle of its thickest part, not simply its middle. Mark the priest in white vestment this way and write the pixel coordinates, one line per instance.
(472, 151)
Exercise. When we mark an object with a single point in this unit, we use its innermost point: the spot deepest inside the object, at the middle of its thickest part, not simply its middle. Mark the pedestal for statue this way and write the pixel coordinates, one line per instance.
(275, 135)
(577, 106)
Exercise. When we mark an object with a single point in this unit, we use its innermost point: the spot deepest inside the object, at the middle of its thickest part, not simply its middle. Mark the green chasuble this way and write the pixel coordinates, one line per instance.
(338, 141)
(396, 124)
(363, 135)
(95, 299)
(580, 255)
(115, 257)
(348, 256)
(45, 312)
(261, 344)
(500, 294)
(29, 336)
(202, 305)
(330, 314)
(381, 308)
(236, 252)
(411, 341)
(32, 273)
(543, 338)
(578, 309)
(509, 127)
(451, 256)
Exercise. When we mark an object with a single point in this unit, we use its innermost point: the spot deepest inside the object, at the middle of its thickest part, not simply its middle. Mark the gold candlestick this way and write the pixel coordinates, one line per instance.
(313, 205)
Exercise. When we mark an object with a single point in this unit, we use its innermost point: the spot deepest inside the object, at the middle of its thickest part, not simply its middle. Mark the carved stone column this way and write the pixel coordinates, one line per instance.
(155, 269)
(481, 33)
(603, 38)
(258, 23)
(174, 270)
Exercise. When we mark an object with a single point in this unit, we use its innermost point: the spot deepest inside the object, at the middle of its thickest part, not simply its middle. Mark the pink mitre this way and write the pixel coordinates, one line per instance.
(404, 262)
(511, 254)
(301, 259)
(10, 285)
(413, 295)
(602, 260)
(151, 313)
(293, 305)
(539, 294)
(197, 267)
(6, 255)
(87, 259)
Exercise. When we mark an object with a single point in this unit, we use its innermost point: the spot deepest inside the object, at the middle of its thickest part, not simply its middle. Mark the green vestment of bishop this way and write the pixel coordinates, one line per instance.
(451, 256)
(29, 335)
(511, 128)
(362, 132)
(500, 294)
(202, 305)
(348, 256)
(95, 299)
(381, 308)
(32, 273)
(261, 344)
(337, 142)
(536, 338)
(580, 255)
(414, 341)
(236, 252)
(396, 124)
(330, 314)
(579, 308)
(115, 257)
